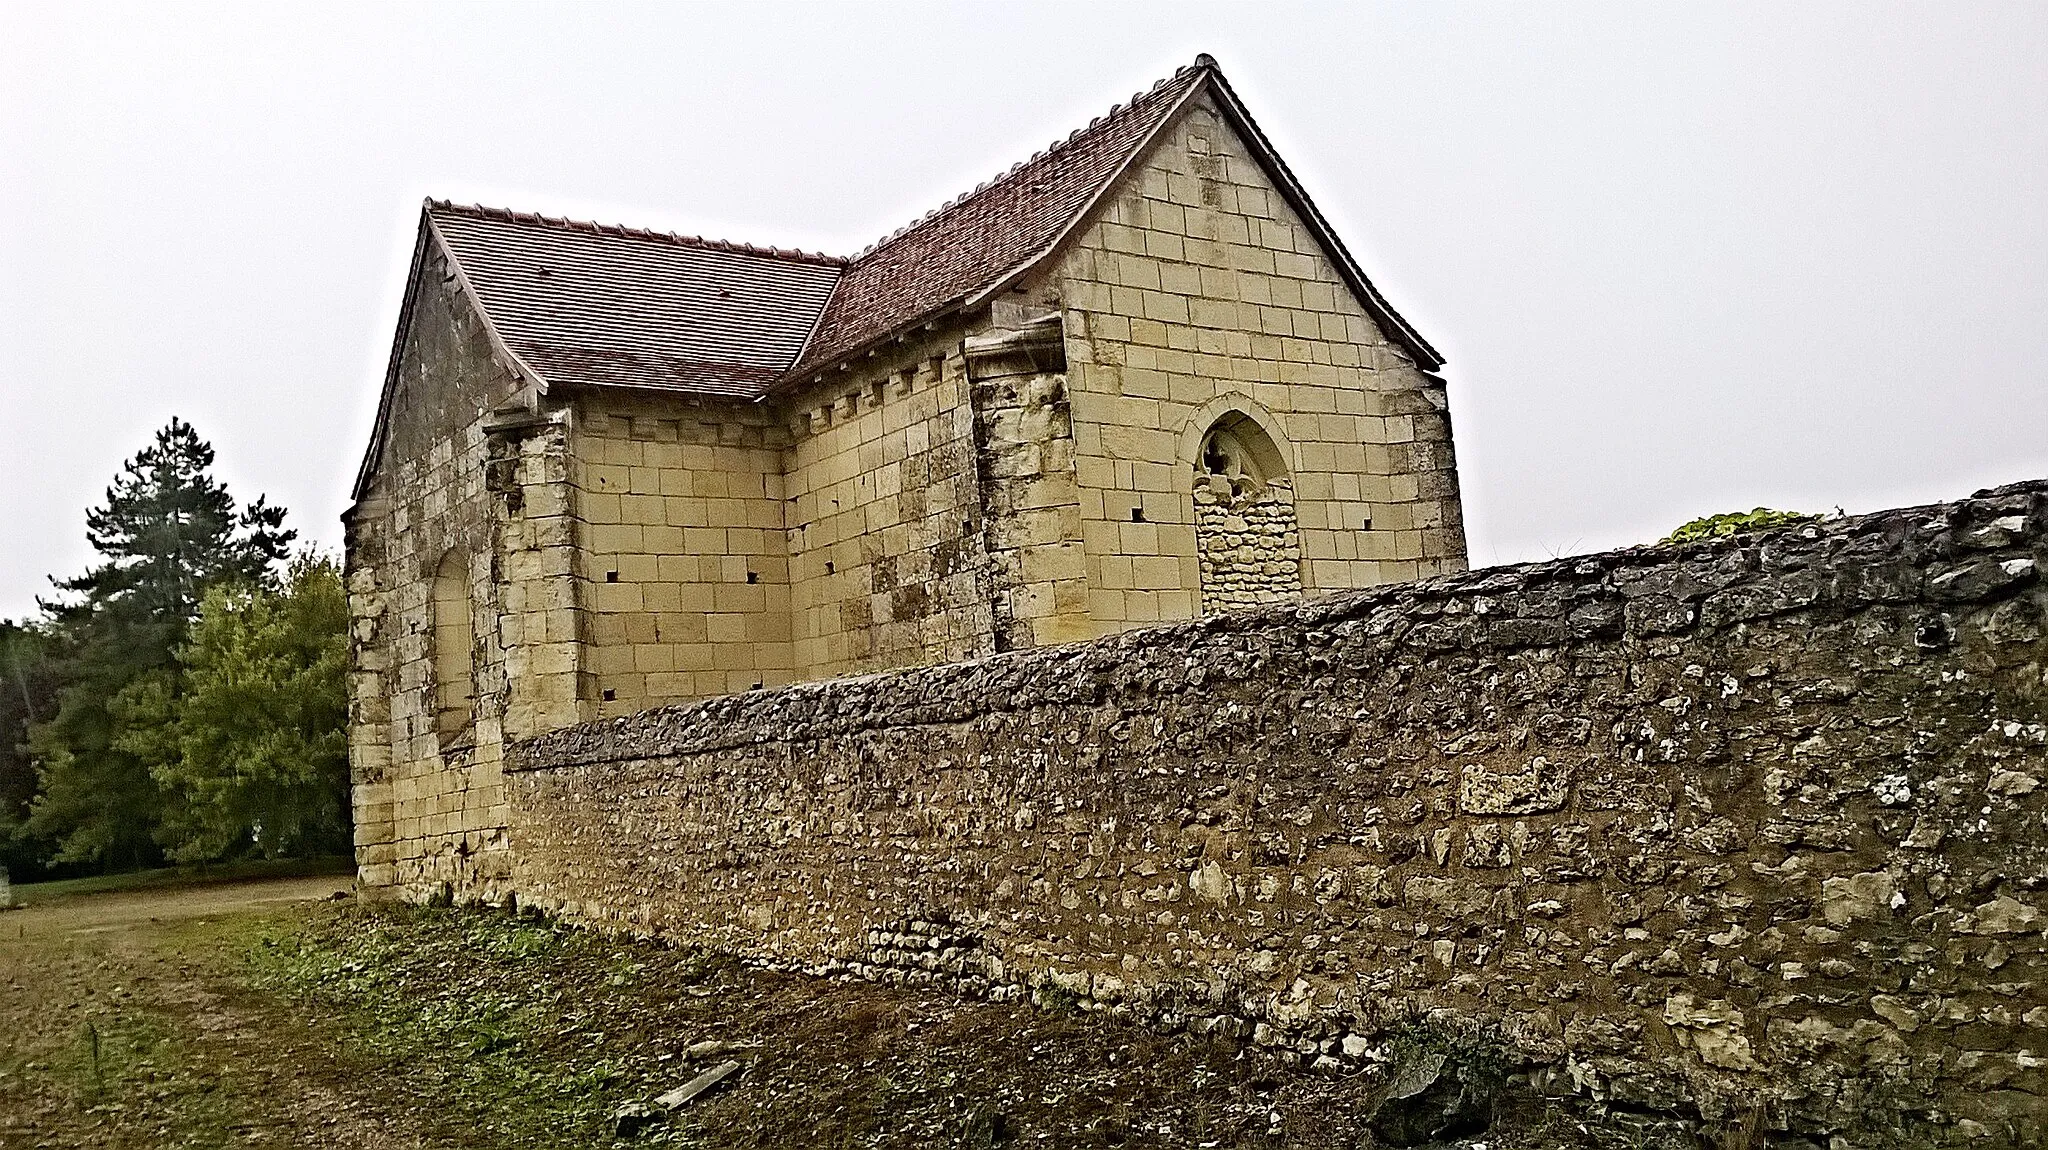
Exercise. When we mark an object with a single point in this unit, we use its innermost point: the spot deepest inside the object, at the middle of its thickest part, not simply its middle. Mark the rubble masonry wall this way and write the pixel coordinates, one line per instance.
(1750, 822)
(428, 813)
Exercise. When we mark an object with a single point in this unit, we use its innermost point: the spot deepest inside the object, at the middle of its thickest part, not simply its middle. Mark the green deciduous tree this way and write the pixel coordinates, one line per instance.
(261, 759)
(167, 531)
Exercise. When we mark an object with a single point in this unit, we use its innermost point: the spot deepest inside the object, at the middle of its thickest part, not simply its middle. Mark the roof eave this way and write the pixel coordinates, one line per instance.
(958, 305)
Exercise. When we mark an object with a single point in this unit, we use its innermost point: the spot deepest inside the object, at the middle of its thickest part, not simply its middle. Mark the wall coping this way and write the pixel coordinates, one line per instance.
(1937, 550)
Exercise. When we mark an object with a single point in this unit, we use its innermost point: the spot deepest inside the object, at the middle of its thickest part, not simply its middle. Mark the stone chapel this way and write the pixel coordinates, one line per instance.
(1136, 378)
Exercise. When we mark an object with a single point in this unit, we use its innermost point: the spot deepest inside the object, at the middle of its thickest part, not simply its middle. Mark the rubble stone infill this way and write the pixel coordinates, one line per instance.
(1249, 545)
(1749, 831)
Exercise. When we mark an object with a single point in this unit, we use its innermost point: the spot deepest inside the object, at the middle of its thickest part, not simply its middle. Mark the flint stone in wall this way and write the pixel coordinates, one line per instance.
(1867, 895)
(1982, 579)
(1209, 882)
(1714, 1030)
(1784, 851)
(2003, 915)
(1454, 898)
(1539, 785)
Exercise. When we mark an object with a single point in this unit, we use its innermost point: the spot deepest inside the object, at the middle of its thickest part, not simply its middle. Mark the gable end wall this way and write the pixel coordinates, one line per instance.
(1197, 286)
(426, 815)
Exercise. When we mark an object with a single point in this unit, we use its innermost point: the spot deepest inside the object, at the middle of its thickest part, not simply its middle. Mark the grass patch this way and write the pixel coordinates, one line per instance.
(133, 1068)
(513, 1027)
(91, 1058)
(491, 1030)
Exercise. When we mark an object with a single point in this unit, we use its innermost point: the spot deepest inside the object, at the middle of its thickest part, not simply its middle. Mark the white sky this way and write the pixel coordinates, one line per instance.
(1681, 259)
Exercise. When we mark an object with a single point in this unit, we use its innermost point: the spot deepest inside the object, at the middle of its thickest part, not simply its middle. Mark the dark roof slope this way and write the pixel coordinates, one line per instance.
(586, 304)
(978, 239)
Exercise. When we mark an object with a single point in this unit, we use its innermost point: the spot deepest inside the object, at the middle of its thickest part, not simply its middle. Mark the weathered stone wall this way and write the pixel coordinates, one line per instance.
(1746, 829)
(884, 515)
(1031, 530)
(1249, 543)
(685, 571)
(1196, 291)
(429, 809)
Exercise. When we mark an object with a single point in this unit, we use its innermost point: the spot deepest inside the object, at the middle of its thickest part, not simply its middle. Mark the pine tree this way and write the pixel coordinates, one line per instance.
(168, 530)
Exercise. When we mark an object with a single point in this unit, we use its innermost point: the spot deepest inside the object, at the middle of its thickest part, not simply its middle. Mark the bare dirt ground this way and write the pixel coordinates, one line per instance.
(269, 1014)
(115, 1033)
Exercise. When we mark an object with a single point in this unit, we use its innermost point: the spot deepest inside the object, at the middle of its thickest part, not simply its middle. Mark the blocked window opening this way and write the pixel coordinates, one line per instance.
(454, 648)
(1247, 537)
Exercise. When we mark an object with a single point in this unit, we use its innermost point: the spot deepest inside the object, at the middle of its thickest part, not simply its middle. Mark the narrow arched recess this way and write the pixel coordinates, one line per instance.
(1247, 535)
(454, 649)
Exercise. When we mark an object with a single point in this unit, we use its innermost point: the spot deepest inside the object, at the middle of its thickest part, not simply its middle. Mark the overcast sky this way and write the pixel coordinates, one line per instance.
(1680, 259)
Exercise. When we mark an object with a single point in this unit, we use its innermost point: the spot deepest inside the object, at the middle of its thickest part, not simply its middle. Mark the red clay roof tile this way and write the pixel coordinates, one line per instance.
(972, 242)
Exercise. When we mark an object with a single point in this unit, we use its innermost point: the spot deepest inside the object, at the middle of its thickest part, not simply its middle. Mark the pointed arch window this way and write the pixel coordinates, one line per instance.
(1238, 450)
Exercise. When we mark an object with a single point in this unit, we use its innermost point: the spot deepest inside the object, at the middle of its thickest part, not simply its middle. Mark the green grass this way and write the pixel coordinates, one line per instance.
(502, 1019)
(136, 1062)
(44, 893)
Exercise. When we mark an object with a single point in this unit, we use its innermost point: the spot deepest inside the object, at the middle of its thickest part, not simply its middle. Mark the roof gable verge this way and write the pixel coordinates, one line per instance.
(375, 449)
(928, 268)
(1396, 327)
(1203, 75)
(499, 347)
(1081, 218)
(429, 243)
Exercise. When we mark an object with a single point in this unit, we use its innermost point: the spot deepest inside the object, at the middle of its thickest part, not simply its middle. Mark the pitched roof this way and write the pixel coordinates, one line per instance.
(955, 252)
(593, 304)
(584, 304)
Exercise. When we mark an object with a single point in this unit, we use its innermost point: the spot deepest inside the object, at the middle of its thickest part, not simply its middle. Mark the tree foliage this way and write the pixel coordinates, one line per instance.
(28, 695)
(167, 531)
(261, 758)
(1732, 523)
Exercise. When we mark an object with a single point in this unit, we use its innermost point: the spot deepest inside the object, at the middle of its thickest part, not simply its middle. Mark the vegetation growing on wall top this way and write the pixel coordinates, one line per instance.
(1733, 523)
